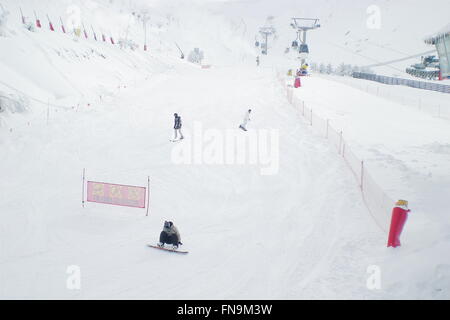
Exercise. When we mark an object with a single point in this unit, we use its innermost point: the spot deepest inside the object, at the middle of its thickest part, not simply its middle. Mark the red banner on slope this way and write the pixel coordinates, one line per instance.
(116, 194)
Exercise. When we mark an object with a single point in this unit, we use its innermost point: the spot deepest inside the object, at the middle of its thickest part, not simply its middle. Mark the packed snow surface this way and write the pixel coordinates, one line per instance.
(300, 232)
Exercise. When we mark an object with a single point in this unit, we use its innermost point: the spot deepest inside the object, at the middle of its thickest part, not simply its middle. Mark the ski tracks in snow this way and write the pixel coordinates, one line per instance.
(249, 236)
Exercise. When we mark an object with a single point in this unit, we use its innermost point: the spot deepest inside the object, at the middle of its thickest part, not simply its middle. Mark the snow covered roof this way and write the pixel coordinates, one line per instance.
(440, 34)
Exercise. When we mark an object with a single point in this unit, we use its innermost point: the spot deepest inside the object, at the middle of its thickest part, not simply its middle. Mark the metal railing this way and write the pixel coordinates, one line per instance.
(404, 82)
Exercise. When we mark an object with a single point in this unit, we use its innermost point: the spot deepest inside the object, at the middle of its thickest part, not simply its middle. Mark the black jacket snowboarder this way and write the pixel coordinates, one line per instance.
(169, 235)
(177, 126)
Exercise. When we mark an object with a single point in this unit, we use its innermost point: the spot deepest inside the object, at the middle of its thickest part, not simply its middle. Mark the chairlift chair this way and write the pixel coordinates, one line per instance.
(303, 48)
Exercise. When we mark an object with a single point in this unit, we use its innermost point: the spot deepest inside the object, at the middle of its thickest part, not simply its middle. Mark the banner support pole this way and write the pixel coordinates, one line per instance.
(148, 194)
(82, 187)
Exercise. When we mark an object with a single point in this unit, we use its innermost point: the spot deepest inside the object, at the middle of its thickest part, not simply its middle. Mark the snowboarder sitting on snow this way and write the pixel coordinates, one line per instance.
(169, 235)
(177, 126)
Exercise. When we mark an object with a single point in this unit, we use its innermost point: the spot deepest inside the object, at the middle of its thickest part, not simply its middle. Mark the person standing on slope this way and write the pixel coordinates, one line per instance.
(177, 126)
(243, 126)
(169, 235)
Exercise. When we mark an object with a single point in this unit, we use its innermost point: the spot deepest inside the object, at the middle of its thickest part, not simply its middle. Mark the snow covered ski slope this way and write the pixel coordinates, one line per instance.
(282, 220)
(240, 226)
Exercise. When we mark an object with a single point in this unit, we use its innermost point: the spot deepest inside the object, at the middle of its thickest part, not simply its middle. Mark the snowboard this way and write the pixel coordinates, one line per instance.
(167, 249)
(241, 127)
(175, 140)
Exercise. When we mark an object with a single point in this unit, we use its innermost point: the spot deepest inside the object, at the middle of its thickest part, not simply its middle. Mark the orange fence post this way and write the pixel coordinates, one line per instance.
(62, 25)
(50, 24)
(38, 22)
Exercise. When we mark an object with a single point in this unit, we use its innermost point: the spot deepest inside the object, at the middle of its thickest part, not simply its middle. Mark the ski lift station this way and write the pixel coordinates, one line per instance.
(442, 42)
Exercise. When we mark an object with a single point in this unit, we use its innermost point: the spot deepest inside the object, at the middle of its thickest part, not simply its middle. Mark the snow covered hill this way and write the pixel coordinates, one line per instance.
(301, 232)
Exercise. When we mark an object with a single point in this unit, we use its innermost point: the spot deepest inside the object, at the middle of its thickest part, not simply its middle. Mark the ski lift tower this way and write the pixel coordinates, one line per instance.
(266, 32)
(302, 25)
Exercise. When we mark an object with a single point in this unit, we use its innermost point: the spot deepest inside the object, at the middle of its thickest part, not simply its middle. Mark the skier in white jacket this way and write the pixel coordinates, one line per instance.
(243, 126)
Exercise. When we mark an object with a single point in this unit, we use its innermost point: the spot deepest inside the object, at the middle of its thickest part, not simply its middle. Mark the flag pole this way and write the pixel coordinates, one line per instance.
(148, 194)
(82, 187)
(21, 13)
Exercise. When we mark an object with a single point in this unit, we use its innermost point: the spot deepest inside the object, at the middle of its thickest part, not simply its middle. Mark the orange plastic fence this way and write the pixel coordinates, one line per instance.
(376, 200)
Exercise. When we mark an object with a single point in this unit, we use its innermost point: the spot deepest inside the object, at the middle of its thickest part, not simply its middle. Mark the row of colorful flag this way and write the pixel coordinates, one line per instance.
(77, 31)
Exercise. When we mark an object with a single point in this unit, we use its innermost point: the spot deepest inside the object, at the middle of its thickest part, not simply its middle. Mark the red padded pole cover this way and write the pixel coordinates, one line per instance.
(398, 220)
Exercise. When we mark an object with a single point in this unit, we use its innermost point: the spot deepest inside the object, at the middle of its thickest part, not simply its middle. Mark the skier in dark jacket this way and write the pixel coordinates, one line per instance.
(169, 235)
(177, 126)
